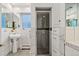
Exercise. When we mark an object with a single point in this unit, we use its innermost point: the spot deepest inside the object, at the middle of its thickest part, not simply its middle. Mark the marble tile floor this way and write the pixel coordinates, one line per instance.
(24, 53)
(20, 53)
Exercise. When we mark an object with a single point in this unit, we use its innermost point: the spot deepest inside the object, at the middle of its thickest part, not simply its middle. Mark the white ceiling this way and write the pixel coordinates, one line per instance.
(16, 8)
(20, 5)
(68, 5)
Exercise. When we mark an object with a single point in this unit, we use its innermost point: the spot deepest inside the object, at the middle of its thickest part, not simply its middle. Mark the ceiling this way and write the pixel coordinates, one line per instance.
(68, 5)
(20, 5)
(16, 7)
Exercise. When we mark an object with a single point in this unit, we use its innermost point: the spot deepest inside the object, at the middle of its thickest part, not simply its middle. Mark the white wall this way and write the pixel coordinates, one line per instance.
(0, 23)
(26, 37)
(0, 17)
(5, 48)
(4, 40)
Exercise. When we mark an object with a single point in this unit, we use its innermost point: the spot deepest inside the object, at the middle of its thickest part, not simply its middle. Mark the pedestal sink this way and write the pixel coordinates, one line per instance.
(14, 37)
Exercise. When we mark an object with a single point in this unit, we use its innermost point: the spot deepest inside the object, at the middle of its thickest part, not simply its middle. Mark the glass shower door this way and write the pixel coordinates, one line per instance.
(43, 33)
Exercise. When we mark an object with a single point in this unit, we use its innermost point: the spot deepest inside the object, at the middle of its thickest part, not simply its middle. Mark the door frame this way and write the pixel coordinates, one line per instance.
(33, 12)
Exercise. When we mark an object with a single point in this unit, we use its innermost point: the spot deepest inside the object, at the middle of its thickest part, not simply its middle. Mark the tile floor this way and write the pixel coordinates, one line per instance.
(21, 53)
(25, 53)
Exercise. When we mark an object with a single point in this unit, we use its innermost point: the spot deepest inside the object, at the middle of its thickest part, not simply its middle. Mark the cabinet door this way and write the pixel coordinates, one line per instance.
(56, 41)
(77, 34)
(61, 40)
(70, 34)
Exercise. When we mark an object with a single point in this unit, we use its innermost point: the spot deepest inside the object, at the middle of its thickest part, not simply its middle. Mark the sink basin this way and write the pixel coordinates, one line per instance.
(14, 35)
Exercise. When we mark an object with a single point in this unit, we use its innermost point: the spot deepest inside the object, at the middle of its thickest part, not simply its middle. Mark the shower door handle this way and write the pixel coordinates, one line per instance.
(42, 28)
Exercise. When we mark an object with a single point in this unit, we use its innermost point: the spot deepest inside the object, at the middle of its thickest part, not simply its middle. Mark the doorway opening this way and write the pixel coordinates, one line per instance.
(43, 31)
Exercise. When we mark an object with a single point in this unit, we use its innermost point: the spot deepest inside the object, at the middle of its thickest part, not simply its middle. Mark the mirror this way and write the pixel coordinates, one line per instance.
(71, 15)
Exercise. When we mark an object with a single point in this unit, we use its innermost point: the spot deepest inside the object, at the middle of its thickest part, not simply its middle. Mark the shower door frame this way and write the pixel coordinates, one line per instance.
(50, 18)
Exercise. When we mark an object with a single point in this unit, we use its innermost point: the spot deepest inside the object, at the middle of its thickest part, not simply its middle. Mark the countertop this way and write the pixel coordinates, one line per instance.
(74, 45)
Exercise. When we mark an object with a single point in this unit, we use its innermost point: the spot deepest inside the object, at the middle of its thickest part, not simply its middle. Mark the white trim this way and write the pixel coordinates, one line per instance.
(49, 32)
(43, 11)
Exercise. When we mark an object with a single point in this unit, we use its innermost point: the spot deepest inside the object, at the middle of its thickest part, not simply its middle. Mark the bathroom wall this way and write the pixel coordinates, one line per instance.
(4, 40)
(5, 48)
(0, 23)
(25, 40)
(3, 33)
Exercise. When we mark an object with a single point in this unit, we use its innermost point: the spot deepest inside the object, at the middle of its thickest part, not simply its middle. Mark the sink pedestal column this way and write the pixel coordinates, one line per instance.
(14, 45)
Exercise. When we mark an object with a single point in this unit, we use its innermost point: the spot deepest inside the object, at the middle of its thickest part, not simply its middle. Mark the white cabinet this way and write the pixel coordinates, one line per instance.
(77, 34)
(58, 41)
(4, 37)
(70, 34)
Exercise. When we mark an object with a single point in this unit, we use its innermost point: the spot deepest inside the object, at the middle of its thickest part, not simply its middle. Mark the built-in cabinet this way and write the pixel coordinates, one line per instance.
(58, 40)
